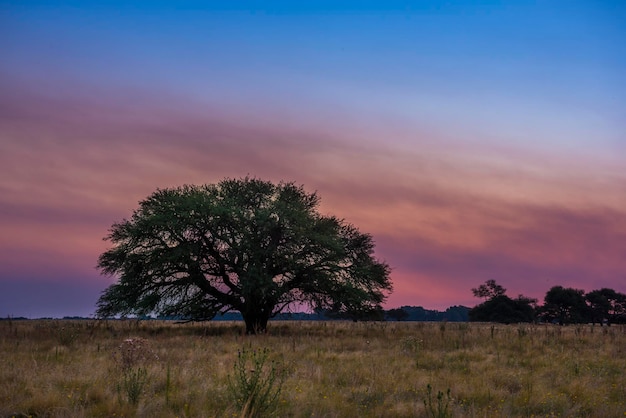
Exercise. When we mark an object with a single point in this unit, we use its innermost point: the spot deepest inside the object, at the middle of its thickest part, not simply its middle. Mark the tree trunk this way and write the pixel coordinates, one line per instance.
(256, 321)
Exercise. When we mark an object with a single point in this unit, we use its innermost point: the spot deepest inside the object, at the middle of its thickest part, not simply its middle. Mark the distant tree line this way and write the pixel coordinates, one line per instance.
(404, 313)
(562, 305)
(417, 313)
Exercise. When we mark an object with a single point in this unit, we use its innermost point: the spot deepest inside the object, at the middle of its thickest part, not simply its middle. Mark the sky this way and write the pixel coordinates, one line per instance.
(473, 140)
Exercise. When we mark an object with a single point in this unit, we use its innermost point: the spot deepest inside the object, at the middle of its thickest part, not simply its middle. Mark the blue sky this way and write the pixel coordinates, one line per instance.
(523, 66)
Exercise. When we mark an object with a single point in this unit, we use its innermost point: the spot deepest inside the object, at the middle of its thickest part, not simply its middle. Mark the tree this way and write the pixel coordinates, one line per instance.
(489, 290)
(606, 305)
(398, 314)
(457, 314)
(565, 305)
(503, 309)
(499, 307)
(242, 245)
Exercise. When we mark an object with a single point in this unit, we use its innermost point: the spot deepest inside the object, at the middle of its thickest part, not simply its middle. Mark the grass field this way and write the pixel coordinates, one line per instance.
(324, 369)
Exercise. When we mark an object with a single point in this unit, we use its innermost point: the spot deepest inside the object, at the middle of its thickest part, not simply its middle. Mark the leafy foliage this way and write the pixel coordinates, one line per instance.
(245, 245)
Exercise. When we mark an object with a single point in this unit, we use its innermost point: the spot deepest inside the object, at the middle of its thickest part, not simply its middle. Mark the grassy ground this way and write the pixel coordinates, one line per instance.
(328, 369)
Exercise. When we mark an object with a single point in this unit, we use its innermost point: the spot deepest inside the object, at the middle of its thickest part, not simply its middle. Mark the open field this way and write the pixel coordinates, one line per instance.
(330, 369)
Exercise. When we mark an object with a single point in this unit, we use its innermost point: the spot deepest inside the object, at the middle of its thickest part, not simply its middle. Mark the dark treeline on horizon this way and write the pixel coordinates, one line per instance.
(561, 305)
(404, 313)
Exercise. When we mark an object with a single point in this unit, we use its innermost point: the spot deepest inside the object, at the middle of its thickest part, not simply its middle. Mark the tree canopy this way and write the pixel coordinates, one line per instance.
(565, 305)
(499, 307)
(606, 305)
(489, 290)
(242, 245)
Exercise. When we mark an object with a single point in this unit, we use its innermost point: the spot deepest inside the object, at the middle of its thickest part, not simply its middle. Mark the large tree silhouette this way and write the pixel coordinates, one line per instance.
(242, 245)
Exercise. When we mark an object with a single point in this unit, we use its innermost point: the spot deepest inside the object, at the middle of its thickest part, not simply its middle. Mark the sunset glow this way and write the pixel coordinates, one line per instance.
(473, 142)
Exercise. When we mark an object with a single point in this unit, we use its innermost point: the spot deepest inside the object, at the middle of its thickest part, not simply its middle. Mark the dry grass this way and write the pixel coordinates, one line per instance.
(332, 369)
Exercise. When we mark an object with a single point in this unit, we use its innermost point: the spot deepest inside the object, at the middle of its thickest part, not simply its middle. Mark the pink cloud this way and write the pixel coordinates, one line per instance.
(446, 215)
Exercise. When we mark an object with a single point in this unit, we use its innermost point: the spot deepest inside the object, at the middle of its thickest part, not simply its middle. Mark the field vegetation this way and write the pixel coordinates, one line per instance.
(62, 368)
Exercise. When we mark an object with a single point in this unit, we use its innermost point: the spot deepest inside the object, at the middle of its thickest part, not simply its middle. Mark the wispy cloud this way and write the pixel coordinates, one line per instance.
(447, 214)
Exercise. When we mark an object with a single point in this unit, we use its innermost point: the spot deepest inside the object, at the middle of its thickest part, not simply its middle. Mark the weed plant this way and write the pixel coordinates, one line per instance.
(66, 335)
(255, 385)
(133, 383)
(438, 409)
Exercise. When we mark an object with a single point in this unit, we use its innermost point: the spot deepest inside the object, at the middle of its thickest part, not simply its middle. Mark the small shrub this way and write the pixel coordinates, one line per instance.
(134, 352)
(522, 332)
(132, 356)
(132, 384)
(411, 345)
(440, 408)
(255, 386)
(66, 335)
